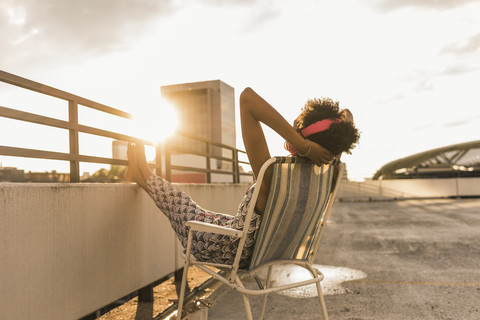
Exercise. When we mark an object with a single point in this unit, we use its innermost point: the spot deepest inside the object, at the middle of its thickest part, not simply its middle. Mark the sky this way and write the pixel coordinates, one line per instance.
(408, 70)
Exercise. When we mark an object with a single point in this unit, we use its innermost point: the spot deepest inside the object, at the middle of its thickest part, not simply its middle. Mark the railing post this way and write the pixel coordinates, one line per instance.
(145, 294)
(209, 175)
(158, 160)
(73, 139)
(168, 167)
(236, 171)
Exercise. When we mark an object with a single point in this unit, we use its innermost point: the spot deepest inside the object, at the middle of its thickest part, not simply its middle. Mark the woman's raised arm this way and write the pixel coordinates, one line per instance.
(255, 110)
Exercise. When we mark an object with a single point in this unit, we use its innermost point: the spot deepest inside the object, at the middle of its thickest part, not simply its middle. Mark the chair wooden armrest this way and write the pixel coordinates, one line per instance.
(208, 227)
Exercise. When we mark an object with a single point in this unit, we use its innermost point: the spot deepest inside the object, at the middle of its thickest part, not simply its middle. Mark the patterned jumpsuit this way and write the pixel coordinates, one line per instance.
(179, 208)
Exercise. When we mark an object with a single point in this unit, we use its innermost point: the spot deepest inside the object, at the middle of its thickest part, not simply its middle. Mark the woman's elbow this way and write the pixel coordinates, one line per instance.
(246, 96)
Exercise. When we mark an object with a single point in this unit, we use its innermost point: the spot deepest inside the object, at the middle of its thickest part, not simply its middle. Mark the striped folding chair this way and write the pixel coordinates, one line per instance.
(295, 215)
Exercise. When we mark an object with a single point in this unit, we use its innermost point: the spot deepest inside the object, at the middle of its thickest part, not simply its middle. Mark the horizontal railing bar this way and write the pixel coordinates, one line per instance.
(184, 168)
(113, 161)
(44, 89)
(222, 158)
(33, 153)
(221, 172)
(119, 162)
(199, 153)
(52, 122)
(110, 134)
(244, 162)
(185, 150)
(34, 118)
(196, 138)
(51, 155)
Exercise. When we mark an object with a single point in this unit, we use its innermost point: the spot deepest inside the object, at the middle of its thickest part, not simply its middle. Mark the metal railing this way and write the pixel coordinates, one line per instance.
(74, 128)
(208, 154)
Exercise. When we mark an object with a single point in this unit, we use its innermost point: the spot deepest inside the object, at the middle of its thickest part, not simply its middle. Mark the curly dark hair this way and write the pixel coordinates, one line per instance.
(340, 137)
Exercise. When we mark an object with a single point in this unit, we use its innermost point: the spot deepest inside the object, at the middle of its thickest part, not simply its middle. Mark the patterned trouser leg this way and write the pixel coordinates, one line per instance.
(180, 208)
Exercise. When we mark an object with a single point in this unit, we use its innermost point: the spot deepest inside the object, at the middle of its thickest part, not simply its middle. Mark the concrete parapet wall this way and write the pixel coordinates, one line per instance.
(69, 249)
(409, 188)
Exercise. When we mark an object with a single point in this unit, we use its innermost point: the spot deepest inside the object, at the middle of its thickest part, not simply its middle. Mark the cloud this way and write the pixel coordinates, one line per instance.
(261, 11)
(418, 84)
(228, 2)
(260, 17)
(54, 31)
(462, 122)
(453, 59)
(391, 5)
(261, 14)
(470, 45)
(424, 85)
(391, 98)
(463, 55)
(455, 123)
(42, 34)
(459, 68)
(425, 126)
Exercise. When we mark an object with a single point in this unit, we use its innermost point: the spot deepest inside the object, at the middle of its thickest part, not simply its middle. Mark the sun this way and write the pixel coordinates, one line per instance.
(155, 123)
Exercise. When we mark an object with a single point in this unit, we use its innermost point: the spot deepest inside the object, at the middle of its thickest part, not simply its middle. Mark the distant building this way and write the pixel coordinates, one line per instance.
(207, 110)
(53, 176)
(458, 160)
(11, 174)
(119, 149)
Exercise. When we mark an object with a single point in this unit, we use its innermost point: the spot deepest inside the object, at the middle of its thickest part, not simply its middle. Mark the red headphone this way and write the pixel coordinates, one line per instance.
(316, 127)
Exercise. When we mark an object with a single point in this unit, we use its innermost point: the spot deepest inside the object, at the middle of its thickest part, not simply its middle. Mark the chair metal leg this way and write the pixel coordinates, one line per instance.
(181, 296)
(322, 301)
(248, 308)
(178, 275)
(315, 273)
(264, 302)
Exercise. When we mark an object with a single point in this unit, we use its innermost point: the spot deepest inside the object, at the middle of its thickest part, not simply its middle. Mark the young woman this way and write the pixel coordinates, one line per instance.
(321, 133)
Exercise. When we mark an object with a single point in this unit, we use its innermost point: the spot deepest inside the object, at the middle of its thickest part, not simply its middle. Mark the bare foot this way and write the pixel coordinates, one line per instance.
(142, 164)
(132, 174)
(136, 168)
(140, 152)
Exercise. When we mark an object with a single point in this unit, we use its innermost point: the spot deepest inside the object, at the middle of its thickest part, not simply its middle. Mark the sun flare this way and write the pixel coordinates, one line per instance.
(155, 123)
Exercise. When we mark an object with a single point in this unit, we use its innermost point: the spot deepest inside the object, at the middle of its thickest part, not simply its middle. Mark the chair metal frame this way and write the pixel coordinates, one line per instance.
(232, 279)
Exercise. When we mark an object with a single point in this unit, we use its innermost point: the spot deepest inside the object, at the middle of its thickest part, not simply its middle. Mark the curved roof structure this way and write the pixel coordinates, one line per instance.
(458, 160)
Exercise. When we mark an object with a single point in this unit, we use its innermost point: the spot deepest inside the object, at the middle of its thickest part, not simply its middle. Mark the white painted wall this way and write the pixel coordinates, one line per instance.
(409, 188)
(69, 249)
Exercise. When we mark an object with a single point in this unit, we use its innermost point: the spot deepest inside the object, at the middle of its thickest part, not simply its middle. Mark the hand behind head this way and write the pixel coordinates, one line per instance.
(319, 155)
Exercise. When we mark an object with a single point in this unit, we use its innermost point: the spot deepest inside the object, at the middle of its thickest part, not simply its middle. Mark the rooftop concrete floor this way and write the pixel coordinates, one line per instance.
(416, 259)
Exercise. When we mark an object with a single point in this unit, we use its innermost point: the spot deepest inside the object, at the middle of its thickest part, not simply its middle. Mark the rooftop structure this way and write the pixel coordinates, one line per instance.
(206, 110)
(458, 160)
